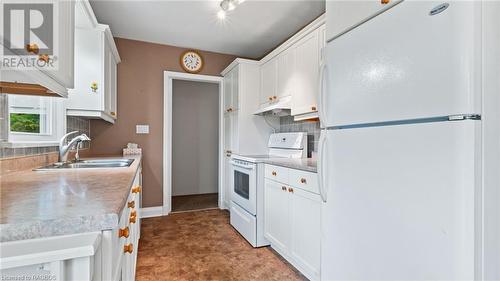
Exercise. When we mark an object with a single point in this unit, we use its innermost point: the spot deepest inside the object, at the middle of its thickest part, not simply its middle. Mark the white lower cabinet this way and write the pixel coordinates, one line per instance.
(305, 209)
(109, 255)
(276, 213)
(292, 215)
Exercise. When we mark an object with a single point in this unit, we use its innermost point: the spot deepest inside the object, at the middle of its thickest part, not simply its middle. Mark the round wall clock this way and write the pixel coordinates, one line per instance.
(191, 61)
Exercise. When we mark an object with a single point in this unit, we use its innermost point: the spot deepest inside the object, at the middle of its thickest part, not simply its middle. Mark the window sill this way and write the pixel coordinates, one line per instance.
(28, 144)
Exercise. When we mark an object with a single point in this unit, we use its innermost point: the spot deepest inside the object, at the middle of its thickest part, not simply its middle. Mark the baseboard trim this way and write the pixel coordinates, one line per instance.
(151, 212)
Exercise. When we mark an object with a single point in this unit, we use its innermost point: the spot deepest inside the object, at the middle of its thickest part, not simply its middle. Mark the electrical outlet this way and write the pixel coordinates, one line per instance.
(142, 129)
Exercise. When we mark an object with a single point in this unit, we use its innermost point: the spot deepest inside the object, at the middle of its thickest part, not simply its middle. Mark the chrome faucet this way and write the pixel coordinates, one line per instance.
(64, 149)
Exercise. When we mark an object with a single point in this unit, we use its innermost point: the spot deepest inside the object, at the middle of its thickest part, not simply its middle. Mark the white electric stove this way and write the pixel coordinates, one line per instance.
(247, 194)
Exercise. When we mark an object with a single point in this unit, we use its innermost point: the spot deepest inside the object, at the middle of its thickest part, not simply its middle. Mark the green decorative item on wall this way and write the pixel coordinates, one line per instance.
(93, 86)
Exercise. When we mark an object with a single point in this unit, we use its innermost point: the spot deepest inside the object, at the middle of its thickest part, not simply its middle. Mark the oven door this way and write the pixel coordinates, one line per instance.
(244, 186)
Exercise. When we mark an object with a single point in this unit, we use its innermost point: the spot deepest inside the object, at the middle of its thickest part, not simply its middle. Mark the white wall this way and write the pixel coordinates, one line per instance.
(195, 132)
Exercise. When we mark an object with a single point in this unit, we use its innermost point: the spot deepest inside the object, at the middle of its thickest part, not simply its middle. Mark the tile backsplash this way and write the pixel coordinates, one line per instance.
(72, 123)
(287, 124)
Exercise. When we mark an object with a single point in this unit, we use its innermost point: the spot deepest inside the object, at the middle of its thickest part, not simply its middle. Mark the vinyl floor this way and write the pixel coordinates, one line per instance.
(202, 245)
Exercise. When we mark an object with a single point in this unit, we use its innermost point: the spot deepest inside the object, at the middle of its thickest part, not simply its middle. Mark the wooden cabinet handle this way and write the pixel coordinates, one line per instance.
(133, 213)
(273, 173)
(32, 48)
(129, 248)
(113, 113)
(313, 108)
(384, 1)
(270, 98)
(303, 180)
(290, 189)
(123, 232)
(275, 97)
(136, 189)
(131, 204)
(132, 219)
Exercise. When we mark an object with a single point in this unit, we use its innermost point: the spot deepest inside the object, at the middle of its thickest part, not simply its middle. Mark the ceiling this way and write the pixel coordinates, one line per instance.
(251, 30)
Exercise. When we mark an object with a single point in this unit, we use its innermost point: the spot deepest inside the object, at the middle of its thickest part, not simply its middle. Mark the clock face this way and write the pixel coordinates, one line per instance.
(191, 61)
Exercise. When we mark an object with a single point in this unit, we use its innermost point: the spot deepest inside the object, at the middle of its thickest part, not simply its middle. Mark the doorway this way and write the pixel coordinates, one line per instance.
(192, 133)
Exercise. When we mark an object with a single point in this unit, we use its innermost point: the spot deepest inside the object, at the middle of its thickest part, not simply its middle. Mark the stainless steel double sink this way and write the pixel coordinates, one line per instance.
(91, 163)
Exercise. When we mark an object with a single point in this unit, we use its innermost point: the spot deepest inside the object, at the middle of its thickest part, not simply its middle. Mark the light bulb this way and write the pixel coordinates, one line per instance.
(221, 15)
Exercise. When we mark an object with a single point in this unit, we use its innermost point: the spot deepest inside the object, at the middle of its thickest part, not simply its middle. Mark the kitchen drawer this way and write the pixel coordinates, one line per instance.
(307, 181)
(277, 173)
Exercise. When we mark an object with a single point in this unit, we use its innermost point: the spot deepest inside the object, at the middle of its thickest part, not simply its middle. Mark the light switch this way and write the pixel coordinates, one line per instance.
(142, 129)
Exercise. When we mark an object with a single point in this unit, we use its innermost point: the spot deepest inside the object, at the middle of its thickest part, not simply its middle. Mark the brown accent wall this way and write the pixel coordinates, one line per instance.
(140, 101)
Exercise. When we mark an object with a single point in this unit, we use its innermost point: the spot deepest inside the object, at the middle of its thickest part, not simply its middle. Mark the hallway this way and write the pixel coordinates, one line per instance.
(203, 245)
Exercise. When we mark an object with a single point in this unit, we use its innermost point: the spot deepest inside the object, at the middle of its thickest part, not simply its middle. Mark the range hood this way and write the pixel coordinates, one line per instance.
(280, 108)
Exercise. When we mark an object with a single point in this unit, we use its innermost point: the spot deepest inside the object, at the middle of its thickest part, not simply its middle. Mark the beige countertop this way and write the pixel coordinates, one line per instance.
(48, 203)
(305, 164)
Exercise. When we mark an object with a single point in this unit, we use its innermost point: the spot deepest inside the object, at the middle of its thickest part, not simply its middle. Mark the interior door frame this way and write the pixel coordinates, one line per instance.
(168, 77)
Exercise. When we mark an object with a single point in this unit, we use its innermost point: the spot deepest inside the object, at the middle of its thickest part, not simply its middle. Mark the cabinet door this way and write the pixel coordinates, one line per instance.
(227, 132)
(228, 177)
(268, 77)
(113, 88)
(88, 69)
(234, 132)
(305, 208)
(305, 95)
(276, 215)
(341, 16)
(286, 67)
(227, 91)
(235, 89)
(107, 78)
(64, 44)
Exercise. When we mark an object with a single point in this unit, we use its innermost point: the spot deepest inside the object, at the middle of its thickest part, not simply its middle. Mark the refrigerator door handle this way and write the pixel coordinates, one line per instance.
(321, 165)
(321, 99)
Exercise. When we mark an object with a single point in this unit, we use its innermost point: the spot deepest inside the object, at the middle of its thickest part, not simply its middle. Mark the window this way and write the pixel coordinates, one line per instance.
(35, 120)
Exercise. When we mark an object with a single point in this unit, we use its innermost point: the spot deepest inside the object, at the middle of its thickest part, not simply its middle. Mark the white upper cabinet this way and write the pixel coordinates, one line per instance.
(228, 89)
(307, 52)
(268, 78)
(64, 74)
(96, 59)
(286, 70)
(292, 71)
(231, 90)
(60, 75)
(341, 16)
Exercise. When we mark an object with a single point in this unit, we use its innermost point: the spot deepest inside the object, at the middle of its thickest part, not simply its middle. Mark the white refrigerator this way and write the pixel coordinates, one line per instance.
(400, 148)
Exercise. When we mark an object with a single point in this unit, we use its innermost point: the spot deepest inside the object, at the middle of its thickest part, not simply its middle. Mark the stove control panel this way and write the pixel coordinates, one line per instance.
(288, 140)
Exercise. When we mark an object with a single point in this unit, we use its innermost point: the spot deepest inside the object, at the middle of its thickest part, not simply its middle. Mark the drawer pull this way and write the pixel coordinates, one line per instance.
(303, 180)
(275, 97)
(273, 173)
(131, 204)
(123, 232)
(384, 1)
(283, 188)
(136, 189)
(313, 108)
(290, 189)
(128, 248)
(132, 219)
(270, 98)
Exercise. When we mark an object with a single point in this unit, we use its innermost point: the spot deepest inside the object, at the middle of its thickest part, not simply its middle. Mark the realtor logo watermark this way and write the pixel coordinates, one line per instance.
(29, 36)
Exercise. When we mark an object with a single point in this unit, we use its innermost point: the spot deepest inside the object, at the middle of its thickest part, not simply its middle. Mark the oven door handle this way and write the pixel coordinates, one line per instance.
(242, 166)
